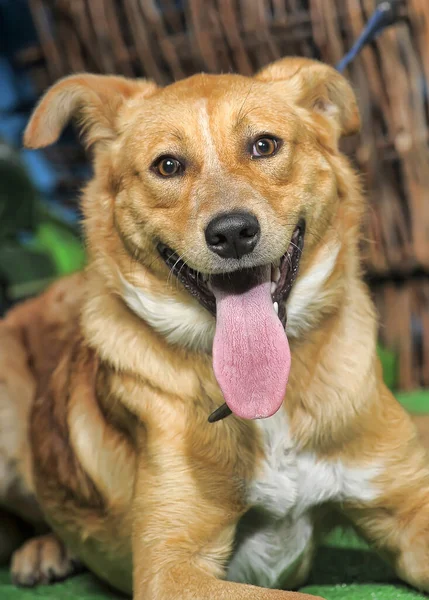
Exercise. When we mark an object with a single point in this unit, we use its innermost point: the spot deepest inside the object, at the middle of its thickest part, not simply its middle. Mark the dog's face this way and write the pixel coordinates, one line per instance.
(216, 179)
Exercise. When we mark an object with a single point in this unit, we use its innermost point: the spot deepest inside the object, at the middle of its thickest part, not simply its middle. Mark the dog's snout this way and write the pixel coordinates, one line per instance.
(233, 234)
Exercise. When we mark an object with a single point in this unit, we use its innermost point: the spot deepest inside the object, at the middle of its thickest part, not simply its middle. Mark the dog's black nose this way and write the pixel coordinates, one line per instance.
(232, 235)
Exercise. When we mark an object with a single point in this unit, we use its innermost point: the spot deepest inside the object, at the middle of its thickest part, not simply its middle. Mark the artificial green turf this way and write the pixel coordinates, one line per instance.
(344, 568)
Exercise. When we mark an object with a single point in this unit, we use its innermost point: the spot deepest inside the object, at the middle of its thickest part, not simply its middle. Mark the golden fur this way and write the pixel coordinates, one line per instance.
(111, 434)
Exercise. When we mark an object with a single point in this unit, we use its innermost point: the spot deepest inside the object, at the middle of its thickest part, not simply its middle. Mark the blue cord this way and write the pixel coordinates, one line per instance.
(383, 16)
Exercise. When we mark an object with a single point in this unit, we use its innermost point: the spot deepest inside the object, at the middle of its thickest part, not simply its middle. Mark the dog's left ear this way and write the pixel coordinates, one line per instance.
(316, 87)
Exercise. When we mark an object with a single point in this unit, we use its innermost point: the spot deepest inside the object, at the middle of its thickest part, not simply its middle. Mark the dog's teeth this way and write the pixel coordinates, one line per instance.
(273, 287)
(276, 274)
(276, 307)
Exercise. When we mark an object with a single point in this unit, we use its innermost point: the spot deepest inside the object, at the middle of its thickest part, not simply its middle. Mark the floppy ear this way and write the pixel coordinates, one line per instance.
(94, 99)
(316, 87)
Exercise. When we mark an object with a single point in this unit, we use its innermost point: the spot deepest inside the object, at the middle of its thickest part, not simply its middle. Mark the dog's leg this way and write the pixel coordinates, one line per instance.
(396, 522)
(189, 571)
(183, 535)
(43, 560)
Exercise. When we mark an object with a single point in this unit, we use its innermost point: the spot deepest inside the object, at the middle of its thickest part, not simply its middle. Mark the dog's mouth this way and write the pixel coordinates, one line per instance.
(199, 285)
(251, 357)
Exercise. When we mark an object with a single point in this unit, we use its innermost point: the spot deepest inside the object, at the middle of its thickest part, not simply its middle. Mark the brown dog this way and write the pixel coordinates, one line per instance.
(203, 195)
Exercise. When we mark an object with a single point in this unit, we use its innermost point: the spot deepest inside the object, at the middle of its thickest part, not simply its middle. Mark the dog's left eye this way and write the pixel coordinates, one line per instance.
(264, 146)
(167, 166)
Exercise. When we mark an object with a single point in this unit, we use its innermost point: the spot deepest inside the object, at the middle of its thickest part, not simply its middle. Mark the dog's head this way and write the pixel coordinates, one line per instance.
(210, 186)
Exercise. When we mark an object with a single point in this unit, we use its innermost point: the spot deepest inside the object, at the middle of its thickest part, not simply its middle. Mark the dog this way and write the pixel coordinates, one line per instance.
(189, 416)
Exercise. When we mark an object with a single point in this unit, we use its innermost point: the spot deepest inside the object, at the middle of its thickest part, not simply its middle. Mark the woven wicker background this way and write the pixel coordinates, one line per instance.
(170, 39)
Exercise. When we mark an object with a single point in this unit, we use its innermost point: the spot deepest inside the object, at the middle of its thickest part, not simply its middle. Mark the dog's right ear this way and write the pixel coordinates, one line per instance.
(94, 99)
(318, 88)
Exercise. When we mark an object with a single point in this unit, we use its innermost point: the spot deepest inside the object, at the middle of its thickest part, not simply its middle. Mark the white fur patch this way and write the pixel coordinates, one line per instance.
(185, 324)
(308, 289)
(289, 485)
(276, 488)
(210, 152)
(269, 555)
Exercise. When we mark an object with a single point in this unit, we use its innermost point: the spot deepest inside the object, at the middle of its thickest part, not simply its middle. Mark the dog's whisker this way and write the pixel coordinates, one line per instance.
(297, 247)
(171, 272)
(184, 265)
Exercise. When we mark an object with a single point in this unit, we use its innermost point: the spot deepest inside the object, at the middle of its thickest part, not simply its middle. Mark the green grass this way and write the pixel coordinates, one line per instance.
(344, 569)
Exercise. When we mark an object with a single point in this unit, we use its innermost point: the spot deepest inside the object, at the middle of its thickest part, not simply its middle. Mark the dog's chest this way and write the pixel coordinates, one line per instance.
(289, 482)
(275, 538)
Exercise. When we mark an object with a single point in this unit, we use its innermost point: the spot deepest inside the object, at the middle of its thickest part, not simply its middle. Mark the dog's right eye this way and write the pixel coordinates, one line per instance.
(167, 166)
(265, 146)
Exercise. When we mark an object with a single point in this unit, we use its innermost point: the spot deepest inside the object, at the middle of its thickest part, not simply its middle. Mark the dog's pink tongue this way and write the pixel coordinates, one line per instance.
(251, 356)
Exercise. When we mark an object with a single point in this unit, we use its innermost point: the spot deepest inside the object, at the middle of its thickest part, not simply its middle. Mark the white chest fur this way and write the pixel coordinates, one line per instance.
(288, 485)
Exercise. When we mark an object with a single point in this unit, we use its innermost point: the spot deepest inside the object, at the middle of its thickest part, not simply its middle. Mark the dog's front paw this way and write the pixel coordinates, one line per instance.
(43, 560)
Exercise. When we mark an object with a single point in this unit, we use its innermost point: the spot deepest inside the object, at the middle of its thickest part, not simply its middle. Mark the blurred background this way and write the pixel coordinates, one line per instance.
(42, 40)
